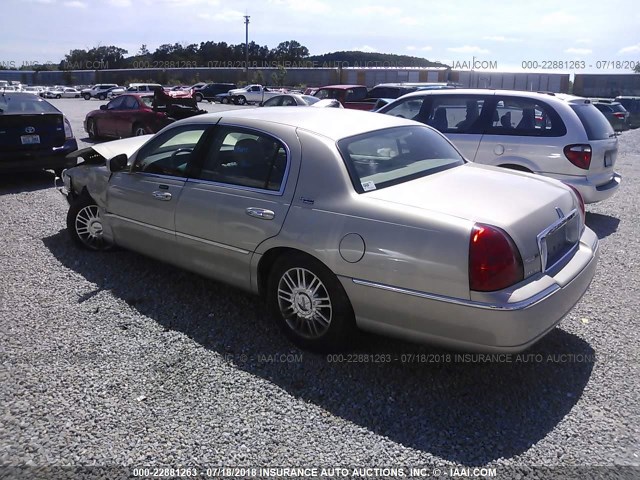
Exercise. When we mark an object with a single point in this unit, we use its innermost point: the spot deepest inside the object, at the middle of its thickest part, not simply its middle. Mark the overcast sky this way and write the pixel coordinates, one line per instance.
(506, 33)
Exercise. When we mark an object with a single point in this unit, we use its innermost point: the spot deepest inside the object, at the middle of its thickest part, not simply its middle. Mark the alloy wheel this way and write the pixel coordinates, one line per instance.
(88, 226)
(304, 303)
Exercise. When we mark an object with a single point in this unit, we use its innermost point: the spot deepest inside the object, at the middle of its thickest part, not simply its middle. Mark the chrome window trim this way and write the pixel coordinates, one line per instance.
(158, 175)
(277, 193)
(523, 304)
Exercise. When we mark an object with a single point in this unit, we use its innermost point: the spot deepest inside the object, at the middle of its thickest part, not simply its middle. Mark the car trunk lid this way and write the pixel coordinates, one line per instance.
(31, 132)
(526, 206)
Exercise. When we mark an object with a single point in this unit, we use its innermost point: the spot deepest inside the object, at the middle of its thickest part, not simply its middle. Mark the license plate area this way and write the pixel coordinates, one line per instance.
(30, 139)
(557, 241)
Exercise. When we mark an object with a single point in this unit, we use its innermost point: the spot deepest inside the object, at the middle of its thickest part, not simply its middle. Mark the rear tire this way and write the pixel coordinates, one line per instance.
(224, 100)
(138, 130)
(58, 96)
(84, 224)
(309, 304)
(102, 96)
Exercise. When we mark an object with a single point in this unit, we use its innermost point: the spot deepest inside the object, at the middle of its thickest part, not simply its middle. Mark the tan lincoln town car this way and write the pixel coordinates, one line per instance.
(343, 219)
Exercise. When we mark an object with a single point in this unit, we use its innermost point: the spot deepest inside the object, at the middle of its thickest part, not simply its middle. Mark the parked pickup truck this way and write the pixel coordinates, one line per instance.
(252, 94)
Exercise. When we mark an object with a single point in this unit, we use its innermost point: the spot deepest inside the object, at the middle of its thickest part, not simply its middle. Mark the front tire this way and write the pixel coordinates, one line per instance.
(86, 96)
(84, 225)
(198, 97)
(58, 96)
(92, 129)
(309, 303)
(241, 100)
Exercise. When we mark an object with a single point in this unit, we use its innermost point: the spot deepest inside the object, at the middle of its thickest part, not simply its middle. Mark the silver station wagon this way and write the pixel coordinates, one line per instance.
(556, 135)
(343, 219)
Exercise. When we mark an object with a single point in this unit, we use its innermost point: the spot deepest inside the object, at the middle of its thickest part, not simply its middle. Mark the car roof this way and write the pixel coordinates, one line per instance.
(543, 96)
(333, 123)
(341, 87)
(607, 101)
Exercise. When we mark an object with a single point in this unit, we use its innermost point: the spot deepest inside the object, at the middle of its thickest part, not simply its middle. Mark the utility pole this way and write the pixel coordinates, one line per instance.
(246, 45)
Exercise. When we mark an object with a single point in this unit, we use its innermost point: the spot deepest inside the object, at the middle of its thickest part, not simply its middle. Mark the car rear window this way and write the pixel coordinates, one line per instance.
(24, 104)
(391, 156)
(595, 123)
(616, 107)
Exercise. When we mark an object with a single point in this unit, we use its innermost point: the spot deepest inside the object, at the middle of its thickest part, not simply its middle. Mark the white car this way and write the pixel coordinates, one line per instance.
(555, 135)
(33, 90)
(64, 92)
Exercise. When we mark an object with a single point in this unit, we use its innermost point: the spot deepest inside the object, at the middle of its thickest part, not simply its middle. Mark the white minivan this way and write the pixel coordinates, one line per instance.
(556, 135)
(143, 87)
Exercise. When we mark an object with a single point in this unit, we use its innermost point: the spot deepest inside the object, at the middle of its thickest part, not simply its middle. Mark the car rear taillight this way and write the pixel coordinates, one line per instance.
(68, 133)
(580, 199)
(579, 155)
(494, 260)
(619, 115)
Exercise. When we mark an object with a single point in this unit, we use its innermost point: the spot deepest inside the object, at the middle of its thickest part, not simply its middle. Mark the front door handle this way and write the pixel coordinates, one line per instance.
(165, 196)
(260, 213)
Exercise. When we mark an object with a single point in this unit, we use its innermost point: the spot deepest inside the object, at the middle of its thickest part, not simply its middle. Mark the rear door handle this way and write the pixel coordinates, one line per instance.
(260, 213)
(165, 196)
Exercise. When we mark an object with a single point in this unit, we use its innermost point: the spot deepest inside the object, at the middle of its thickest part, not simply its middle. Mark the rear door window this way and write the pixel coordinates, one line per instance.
(245, 158)
(595, 123)
(524, 117)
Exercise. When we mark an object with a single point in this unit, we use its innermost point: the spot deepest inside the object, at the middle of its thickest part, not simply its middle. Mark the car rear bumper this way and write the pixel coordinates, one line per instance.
(590, 192)
(596, 193)
(54, 158)
(531, 311)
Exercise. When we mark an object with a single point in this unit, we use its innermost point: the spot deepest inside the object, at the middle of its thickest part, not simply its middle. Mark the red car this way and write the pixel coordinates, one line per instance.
(138, 114)
(348, 95)
(178, 92)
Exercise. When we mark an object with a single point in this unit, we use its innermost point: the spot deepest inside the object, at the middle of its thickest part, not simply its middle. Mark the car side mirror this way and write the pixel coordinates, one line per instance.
(118, 163)
(103, 107)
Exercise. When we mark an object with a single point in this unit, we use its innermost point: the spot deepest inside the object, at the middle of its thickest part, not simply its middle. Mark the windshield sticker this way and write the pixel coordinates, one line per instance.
(367, 186)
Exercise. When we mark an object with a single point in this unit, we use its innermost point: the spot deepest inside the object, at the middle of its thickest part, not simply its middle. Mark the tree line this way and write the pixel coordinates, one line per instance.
(212, 54)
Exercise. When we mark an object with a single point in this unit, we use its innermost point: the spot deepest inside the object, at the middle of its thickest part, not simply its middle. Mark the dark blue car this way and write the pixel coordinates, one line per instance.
(34, 134)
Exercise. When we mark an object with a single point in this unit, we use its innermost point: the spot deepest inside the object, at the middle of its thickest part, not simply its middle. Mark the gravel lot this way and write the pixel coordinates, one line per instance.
(113, 359)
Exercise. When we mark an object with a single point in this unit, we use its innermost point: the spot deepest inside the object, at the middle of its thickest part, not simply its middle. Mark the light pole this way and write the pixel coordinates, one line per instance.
(246, 45)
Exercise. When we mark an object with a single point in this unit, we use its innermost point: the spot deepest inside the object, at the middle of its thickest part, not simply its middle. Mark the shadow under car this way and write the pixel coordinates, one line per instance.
(432, 400)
